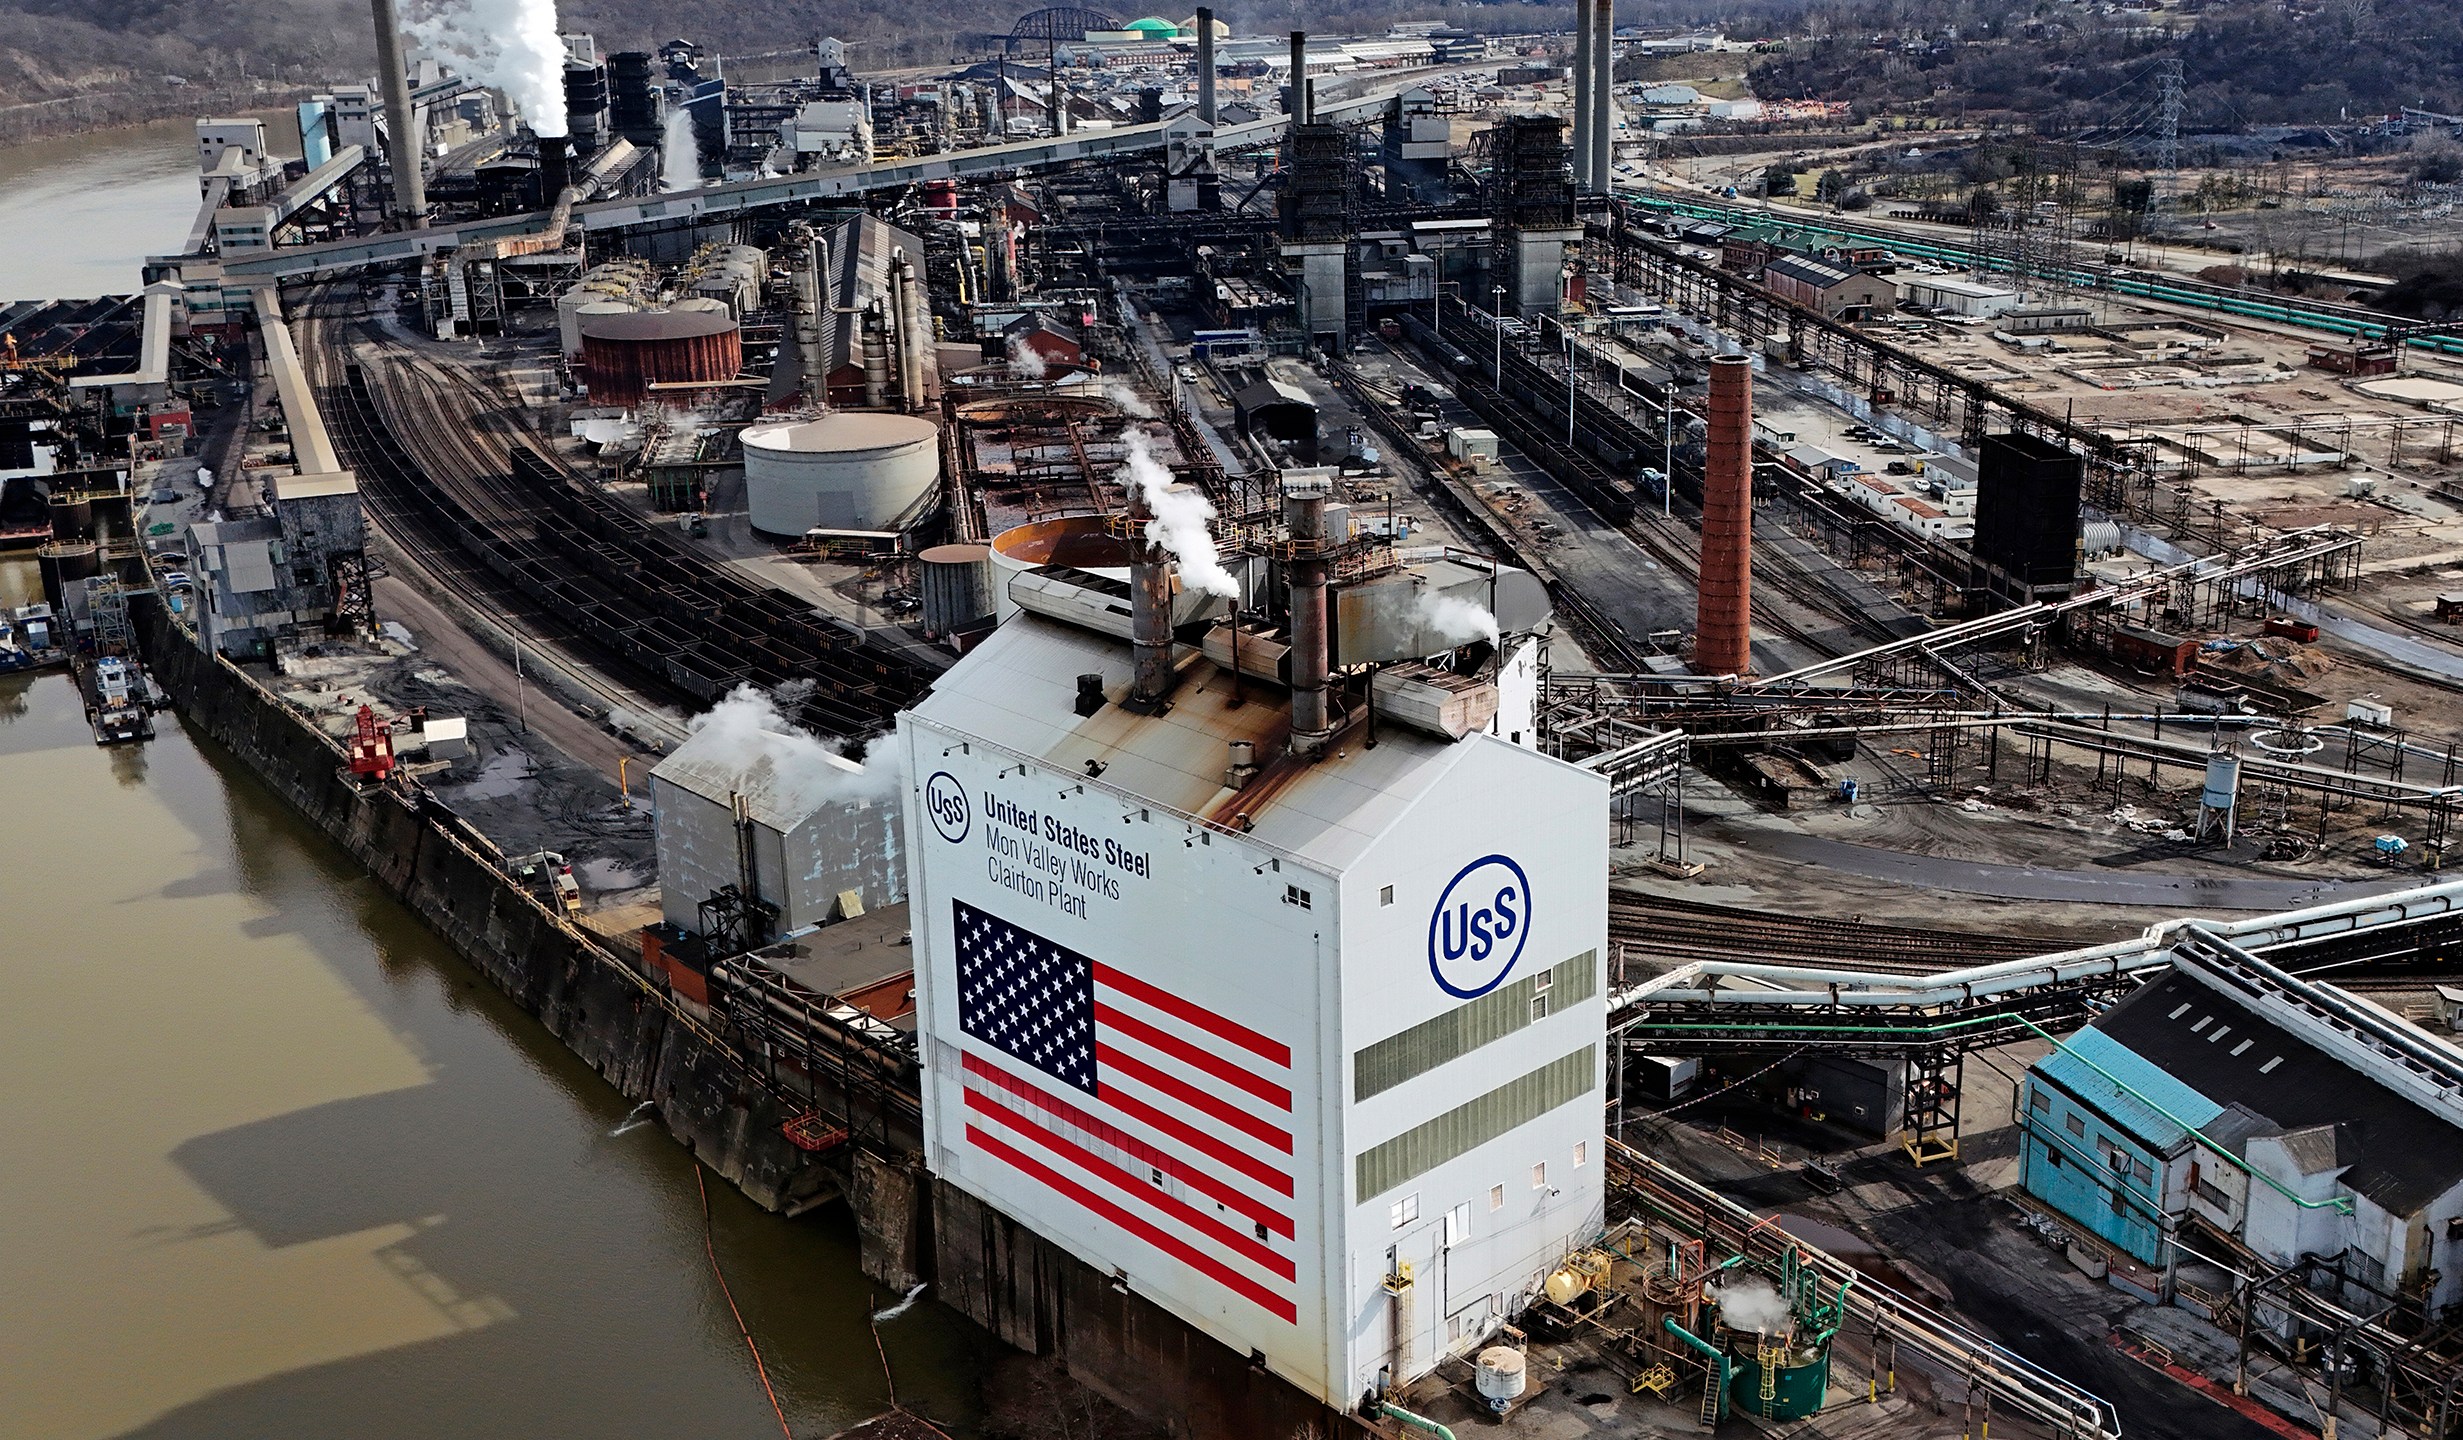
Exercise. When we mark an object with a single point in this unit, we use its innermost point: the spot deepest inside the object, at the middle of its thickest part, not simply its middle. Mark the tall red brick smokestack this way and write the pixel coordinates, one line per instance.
(1722, 628)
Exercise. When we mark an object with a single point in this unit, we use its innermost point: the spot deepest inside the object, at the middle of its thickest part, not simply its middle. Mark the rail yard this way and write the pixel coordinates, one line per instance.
(1341, 747)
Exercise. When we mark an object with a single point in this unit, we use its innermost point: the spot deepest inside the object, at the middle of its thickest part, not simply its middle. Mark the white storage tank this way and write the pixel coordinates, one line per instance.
(585, 305)
(846, 470)
(1501, 1376)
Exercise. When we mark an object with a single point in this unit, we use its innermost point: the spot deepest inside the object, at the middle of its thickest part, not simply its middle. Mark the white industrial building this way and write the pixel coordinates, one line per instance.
(1282, 1004)
(779, 818)
(1947, 295)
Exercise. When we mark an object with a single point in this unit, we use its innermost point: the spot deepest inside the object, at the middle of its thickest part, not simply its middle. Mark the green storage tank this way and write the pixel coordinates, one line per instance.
(1796, 1384)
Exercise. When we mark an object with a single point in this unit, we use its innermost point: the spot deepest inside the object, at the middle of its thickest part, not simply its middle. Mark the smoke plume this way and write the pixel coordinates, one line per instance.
(509, 44)
(1125, 396)
(1752, 1306)
(746, 733)
(1027, 363)
(680, 160)
(1459, 621)
(1180, 520)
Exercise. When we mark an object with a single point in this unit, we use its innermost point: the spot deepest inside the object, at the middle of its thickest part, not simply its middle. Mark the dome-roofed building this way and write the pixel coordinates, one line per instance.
(1154, 27)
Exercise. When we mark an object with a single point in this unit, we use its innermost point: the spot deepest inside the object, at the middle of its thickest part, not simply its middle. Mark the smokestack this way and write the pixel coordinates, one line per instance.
(1298, 105)
(1205, 64)
(410, 181)
(1722, 628)
(1603, 94)
(1585, 76)
(1150, 613)
(1304, 512)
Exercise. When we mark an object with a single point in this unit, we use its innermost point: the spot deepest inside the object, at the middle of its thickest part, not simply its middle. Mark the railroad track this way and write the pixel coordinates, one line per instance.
(1690, 930)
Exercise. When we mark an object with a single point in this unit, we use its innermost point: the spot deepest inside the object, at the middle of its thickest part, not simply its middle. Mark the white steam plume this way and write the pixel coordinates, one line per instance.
(680, 166)
(1125, 396)
(1027, 363)
(1180, 520)
(1459, 621)
(746, 732)
(1752, 1306)
(510, 44)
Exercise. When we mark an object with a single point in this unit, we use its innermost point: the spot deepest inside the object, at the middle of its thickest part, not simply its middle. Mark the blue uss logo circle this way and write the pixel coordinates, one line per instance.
(945, 802)
(1479, 927)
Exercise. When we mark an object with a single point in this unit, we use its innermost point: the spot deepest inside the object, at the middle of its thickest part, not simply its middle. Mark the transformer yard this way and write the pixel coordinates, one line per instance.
(1337, 766)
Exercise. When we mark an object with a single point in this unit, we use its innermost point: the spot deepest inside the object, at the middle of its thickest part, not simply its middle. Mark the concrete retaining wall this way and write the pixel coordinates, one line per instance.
(601, 1007)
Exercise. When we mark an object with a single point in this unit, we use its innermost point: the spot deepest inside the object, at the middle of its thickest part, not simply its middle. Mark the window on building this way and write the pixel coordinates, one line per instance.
(1582, 1153)
(2053, 1158)
(2039, 1100)
(1385, 895)
(1539, 1176)
(1458, 1224)
(1496, 1197)
(1294, 895)
(1539, 1006)
(1405, 1210)
(2210, 1194)
(2077, 1125)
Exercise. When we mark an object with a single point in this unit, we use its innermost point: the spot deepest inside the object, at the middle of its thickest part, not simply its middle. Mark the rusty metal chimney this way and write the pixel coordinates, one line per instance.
(410, 182)
(1150, 615)
(1205, 64)
(1307, 570)
(1722, 626)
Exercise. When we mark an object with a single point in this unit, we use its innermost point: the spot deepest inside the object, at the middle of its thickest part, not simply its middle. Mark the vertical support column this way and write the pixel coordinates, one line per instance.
(410, 181)
(1722, 629)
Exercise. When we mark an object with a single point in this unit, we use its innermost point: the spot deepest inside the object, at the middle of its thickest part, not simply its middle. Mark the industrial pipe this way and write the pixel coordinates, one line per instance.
(1721, 1366)
(1722, 628)
(904, 287)
(1432, 1427)
(410, 181)
(1205, 64)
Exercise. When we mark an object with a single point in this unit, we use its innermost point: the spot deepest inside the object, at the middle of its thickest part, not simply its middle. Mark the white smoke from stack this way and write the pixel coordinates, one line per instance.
(1459, 621)
(1027, 363)
(1126, 398)
(1752, 1306)
(745, 732)
(512, 45)
(1180, 520)
(680, 162)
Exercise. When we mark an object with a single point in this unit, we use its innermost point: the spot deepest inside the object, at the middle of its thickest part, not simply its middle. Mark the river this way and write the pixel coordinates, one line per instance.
(81, 212)
(277, 1162)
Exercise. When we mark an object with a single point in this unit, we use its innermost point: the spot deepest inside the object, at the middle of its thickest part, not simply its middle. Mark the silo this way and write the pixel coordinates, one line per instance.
(582, 300)
(72, 517)
(956, 581)
(624, 354)
(846, 470)
(1081, 542)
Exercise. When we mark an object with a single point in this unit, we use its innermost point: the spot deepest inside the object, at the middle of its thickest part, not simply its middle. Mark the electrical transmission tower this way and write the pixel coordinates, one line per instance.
(2168, 119)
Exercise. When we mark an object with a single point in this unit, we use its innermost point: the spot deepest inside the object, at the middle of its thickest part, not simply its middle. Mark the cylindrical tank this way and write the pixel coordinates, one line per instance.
(623, 355)
(2102, 537)
(65, 565)
(956, 581)
(1500, 1376)
(1078, 541)
(72, 517)
(115, 516)
(574, 304)
(1791, 1386)
(2223, 781)
(847, 470)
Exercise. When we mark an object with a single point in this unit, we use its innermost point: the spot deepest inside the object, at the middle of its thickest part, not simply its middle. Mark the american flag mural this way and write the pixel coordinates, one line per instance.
(1169, 1121)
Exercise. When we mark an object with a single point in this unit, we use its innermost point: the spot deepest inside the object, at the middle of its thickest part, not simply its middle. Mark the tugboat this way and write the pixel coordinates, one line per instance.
(115, 701)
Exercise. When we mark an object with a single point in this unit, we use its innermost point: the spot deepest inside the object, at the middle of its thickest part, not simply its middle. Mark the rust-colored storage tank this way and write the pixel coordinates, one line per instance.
(624, 355)
(1722, 624)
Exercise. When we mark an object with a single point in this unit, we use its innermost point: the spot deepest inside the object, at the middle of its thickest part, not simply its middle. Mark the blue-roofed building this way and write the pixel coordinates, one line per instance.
(2296, 1126)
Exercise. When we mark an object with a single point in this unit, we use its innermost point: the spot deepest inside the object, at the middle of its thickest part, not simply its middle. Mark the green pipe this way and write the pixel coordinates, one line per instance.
(1721, 1366)
(1838, 1315)
(1405, 1416)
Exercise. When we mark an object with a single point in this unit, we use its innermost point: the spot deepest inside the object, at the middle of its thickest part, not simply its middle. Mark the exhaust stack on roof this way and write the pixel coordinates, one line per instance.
(1205, 64)
(1304, 512)
(1298, 105)
(1722, 628)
